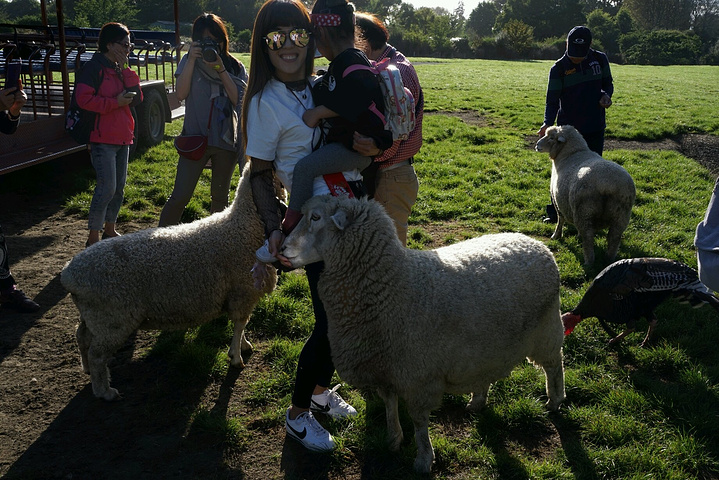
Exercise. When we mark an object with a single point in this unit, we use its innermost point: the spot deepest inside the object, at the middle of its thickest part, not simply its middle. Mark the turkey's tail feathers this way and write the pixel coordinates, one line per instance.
(696, 294)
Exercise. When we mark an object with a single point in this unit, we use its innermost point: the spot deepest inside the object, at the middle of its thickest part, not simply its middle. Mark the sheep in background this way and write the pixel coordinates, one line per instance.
(167, 278)
(588, 191)
(415, 324)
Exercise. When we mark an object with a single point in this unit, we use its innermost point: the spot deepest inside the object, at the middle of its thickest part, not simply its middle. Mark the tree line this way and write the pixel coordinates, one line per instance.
(650, 32)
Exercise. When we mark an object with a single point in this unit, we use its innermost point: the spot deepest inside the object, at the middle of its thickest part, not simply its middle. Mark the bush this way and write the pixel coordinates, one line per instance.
(460, 48)
(518, 36)
(411, 43)
(660, 47)
(485, 47)
(712, 57)
(550, 48)
(243, 40)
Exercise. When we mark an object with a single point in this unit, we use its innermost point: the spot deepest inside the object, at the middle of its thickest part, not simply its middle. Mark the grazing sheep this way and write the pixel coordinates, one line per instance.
(415, 324)
(166, 278)
(588, 191)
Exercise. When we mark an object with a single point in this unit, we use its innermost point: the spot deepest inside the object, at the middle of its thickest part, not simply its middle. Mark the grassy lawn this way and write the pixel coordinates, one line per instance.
(630, 413)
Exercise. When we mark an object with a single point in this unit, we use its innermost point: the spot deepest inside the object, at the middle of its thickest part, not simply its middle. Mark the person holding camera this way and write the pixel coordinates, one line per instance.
(114, 132)
(212, 83)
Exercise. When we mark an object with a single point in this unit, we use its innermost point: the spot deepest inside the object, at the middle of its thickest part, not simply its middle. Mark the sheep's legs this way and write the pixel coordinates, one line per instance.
(394, 429)
(554, 378)
(479, 398)
(614, 237)
(588, 246)
(84, 340)
(98, 355)
(558, 229)
(425, 453)
(239, 343)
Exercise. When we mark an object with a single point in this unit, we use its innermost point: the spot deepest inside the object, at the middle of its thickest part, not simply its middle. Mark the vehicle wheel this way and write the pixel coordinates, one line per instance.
(151, 119)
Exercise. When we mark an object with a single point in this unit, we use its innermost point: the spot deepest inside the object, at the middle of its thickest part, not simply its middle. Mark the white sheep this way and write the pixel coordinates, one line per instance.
(415, 324)
(588, 191)
(167, 278)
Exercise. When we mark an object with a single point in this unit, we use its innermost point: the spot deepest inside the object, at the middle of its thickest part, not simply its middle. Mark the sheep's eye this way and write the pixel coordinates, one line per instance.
(314, 217)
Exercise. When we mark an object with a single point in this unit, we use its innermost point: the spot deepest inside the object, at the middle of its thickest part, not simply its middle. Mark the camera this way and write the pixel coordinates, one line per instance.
(209, 49)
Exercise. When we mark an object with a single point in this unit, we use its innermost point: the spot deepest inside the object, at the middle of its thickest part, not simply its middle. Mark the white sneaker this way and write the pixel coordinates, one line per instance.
(330, 403)
(307, 430)
(263, 253)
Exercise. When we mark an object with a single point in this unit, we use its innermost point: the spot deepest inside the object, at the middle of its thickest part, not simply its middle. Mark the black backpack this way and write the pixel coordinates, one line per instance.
(80, 123)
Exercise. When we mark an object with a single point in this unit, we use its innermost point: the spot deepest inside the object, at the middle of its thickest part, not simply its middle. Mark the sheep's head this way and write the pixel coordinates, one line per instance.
(324, 216)
(557, 137)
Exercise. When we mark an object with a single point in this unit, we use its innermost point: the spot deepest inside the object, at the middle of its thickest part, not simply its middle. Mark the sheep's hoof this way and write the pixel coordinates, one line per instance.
(395, 441)
(555, 236)
(476, 404)
(553, 405)
(423, 465)
(237, 362)
(110, 395)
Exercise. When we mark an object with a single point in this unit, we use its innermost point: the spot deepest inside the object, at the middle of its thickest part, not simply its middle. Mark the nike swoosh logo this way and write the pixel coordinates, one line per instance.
(320, 408)
(301, 434)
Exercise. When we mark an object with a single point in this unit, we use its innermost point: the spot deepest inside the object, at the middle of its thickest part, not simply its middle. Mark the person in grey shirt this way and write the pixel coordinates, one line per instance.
(212, 83)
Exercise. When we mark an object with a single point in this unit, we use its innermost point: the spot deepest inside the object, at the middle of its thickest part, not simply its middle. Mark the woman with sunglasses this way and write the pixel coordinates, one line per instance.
(278, 94)
(212, 83)
(110, 140)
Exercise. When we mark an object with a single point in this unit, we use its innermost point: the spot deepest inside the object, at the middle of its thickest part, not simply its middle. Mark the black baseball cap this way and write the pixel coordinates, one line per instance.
(578, 41)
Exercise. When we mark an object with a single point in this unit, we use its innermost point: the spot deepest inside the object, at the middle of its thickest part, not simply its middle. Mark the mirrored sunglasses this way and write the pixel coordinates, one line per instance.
(299, 37)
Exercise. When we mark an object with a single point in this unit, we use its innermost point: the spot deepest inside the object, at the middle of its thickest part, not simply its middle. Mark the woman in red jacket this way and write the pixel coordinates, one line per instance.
(110, 140)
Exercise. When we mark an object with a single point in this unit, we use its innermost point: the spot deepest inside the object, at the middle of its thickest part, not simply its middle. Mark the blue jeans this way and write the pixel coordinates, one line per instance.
(110, 163)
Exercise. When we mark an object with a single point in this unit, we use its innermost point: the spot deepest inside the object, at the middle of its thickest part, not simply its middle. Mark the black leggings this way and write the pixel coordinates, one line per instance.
(315, 365)
(6, 280)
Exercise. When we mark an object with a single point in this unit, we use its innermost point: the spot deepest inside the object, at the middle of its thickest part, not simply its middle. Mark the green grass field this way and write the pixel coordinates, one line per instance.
(630, 413)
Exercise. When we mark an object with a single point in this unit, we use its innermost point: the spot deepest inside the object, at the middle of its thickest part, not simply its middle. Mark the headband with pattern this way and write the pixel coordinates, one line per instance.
(325, 19)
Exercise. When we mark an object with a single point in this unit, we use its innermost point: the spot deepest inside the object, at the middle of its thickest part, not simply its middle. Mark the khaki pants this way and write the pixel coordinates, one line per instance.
(397, 191)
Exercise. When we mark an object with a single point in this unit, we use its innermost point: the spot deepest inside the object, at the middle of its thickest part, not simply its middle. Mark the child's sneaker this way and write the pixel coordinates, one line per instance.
(263, 253)
(330, 403)
(307, 430)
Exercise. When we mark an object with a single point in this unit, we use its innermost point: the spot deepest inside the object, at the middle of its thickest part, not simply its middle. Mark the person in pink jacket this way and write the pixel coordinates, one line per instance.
(106, 85)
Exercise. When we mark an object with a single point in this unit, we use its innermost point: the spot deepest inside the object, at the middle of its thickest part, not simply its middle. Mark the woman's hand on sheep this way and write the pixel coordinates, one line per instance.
(542, 130)
(275, 241)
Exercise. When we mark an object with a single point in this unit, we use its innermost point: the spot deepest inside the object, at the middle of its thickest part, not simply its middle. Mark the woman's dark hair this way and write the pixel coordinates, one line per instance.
(111, 32)
(273, 14)
(371, 30)
(216, 26)
(346, 11)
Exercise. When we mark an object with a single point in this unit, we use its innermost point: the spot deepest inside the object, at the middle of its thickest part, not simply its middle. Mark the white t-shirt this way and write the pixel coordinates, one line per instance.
(276, 132)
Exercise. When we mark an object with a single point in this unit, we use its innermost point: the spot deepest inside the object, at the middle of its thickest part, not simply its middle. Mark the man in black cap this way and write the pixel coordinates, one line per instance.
(580, 89)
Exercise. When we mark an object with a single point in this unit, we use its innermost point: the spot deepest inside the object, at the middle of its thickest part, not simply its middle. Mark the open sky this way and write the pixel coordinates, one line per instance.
(450, 5)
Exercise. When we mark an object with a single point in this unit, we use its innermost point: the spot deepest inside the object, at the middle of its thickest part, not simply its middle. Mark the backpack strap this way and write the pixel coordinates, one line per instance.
(376, 67)
(356, 67)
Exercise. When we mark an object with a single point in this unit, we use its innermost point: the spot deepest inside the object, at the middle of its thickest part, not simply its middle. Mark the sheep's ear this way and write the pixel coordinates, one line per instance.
(340, 219)
(561, 139)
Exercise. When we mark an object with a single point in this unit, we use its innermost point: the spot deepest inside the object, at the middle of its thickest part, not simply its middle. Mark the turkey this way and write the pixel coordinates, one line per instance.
(630, 289)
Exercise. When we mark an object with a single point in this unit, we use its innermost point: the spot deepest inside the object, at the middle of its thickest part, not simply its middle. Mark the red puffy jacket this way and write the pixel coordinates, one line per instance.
(114, 124)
